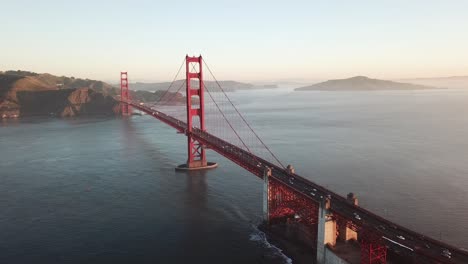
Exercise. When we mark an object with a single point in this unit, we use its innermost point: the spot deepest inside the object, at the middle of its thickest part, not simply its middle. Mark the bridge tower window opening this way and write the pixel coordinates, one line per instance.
(195, 102)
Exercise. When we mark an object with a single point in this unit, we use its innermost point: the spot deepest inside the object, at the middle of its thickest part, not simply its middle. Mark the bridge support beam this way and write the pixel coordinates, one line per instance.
(345, 233)
(124, 94)
(373, 251)
(196, 159)
(289, 213)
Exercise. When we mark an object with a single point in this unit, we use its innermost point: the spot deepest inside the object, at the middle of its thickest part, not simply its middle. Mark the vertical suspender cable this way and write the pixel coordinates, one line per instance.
(243, 119)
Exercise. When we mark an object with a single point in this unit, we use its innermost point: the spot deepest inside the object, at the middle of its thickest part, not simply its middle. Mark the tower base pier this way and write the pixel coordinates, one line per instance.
(196, 166)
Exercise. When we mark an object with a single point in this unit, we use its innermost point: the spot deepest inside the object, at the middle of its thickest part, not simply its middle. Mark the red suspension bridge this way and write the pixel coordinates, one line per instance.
(210, 120)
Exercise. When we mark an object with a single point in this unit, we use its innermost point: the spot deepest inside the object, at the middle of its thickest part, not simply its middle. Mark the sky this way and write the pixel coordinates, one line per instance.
(244, 40)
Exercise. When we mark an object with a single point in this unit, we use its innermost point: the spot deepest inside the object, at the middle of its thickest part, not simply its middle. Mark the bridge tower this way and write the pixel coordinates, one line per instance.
(125, 94)
(195, 101)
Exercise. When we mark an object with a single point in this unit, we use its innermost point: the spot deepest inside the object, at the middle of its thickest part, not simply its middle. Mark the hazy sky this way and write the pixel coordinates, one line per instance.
(241, 40)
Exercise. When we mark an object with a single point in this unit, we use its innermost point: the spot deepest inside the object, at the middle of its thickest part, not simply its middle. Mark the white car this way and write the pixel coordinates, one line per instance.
(401, 237)
(356, 216)
(445, 254)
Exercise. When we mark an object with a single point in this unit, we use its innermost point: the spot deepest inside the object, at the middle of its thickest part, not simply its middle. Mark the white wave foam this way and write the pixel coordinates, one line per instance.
(260, 237)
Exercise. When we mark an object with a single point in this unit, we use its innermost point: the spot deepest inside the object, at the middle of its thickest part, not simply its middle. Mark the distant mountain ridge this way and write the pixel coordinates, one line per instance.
(362, 83)
(228, 86)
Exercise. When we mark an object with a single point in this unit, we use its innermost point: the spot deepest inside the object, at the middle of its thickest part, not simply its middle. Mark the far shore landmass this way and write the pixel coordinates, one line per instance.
(24, 93)
(362, 83)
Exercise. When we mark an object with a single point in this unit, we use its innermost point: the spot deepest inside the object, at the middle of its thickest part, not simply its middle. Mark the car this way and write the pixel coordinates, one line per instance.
(314, 190)
(291, 180)
(427, 246)
(446, 255)
(357, 217)
(142, 104)
(313, 194)
(446, 251)
(401, 237)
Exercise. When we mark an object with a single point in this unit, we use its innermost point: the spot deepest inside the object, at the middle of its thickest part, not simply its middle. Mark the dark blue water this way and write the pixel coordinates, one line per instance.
(104, 190)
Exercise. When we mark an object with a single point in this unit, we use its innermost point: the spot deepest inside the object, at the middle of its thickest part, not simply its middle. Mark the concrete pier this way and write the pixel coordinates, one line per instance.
(326, 231)
(197, 166)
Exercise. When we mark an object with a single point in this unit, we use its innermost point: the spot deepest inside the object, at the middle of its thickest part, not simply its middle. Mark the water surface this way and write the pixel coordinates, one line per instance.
(104, 190)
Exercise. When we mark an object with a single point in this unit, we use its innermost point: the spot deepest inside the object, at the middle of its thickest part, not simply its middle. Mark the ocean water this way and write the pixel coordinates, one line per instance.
(104, 190)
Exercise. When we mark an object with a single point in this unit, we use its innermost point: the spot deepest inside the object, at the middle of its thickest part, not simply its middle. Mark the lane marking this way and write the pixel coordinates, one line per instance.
(394, 242)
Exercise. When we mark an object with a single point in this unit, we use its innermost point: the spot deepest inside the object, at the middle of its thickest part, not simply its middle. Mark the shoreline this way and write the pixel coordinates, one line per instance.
(297, 251)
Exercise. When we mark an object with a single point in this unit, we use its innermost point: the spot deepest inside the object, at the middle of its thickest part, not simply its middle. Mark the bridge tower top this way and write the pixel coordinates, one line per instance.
(194, 70)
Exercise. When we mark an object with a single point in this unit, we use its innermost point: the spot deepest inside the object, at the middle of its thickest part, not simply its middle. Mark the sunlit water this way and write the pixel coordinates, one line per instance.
(104, 190)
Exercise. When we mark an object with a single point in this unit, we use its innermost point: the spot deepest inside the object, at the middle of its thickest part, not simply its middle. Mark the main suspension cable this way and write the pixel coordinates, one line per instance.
(243, 119)
(172, 83)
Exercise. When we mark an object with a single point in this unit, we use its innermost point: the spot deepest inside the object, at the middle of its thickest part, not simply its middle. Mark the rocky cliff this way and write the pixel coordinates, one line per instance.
(66, 103)
(28, 94)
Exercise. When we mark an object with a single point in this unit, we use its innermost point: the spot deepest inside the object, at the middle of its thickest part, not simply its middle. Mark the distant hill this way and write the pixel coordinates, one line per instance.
(228, 86)
(443, 82)
(362, 83)
(24, 93)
